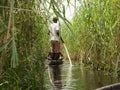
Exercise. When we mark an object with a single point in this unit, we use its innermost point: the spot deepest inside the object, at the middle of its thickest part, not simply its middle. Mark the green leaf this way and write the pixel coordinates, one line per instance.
(14, 58)
(5, 45)
(116, 22)
(68, 1)
(63, 10)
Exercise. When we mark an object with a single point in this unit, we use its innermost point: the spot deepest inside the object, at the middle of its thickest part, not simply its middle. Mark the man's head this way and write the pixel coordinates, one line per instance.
(55, 19)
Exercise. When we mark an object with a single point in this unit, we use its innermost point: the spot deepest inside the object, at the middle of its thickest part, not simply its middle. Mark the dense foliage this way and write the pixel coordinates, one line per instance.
(23, 43)
(95, 34)
(93, 38)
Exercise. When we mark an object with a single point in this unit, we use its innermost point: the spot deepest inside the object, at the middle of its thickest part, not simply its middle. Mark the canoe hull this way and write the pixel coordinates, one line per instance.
(54, 59)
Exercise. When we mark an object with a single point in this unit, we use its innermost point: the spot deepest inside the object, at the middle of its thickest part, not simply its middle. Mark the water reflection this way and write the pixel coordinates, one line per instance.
(77, 78)
(57, 79)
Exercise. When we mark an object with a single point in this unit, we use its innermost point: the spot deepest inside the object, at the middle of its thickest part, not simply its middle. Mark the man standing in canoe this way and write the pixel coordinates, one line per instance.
(55, 38)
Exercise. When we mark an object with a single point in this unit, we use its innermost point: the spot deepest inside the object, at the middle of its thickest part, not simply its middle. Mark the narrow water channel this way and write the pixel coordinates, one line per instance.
(64, 77)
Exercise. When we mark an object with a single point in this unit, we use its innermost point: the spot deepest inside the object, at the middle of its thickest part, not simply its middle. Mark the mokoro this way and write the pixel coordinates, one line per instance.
(55, 62)
(115, 86)
(53, 58)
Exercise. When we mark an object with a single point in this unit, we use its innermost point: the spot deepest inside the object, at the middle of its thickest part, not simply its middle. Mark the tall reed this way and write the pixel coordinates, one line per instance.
(95, 38)
(21, 46)
(24, 42)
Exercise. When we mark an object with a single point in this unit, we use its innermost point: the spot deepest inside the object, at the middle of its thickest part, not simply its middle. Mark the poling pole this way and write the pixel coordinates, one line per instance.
(66, 51)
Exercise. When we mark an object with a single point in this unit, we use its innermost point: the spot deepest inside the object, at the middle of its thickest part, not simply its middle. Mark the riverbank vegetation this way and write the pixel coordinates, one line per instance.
(24, 42)
(95, 36)
(23, 45)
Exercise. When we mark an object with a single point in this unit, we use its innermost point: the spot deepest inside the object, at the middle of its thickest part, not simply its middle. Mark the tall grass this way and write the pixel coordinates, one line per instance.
(95, 37)
(24, 42)
(21, 46)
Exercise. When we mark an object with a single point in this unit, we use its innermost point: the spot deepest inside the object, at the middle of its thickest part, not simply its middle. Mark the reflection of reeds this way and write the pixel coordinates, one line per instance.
(50, 78)
(69, 77)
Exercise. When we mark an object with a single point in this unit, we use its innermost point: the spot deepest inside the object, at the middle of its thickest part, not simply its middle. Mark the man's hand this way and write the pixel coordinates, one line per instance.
(49, 33)
(57, 32)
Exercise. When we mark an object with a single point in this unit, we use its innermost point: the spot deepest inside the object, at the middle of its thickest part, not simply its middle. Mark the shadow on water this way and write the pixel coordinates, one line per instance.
(65, 77)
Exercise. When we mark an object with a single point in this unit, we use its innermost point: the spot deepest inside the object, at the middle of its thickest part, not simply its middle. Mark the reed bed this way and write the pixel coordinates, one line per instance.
(24, 42)
(22, 50)
(95, 36)
(92, 37)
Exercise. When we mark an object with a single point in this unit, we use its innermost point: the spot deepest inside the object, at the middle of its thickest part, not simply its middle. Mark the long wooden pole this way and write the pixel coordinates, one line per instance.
(66, 51)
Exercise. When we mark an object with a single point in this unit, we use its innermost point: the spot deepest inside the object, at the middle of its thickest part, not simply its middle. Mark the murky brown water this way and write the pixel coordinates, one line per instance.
(64, 77)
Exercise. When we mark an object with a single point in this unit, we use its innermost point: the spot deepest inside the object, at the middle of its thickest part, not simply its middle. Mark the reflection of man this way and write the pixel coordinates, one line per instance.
(57, 77)
(55, 37)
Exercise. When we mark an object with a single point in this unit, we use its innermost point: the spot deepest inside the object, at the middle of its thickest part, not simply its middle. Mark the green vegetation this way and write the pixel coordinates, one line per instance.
(93, 38)
(24, 42)
(22, 45)
(95, 34)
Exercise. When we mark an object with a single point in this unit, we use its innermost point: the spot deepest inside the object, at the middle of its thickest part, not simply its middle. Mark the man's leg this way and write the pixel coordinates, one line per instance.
(50, 55)
(59, 51)
(61, 55)
(57, 46)
(53, 46)
(56, 54)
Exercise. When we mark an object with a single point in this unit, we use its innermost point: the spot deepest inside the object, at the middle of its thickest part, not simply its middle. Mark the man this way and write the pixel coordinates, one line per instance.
(55, 38)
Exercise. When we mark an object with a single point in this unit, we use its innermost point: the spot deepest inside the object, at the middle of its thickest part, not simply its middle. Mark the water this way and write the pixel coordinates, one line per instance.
(64, 77)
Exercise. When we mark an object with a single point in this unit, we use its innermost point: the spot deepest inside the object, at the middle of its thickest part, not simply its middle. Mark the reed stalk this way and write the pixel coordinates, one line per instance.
(24, 42)
(94, 34)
